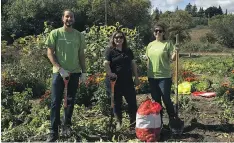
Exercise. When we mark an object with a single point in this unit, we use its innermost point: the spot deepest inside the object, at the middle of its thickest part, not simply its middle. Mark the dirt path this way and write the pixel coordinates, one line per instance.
(202, 123)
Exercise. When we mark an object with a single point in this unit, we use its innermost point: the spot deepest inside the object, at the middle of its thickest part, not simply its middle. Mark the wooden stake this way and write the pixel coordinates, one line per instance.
(176, 74)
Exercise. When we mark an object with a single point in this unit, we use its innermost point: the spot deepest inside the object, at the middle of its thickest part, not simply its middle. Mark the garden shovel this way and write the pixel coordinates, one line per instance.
(65, 80)
(65, 132)
(112, 82)
(177, 123)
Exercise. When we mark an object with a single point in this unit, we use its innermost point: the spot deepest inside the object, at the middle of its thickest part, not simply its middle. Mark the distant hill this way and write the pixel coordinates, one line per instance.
(198, 32)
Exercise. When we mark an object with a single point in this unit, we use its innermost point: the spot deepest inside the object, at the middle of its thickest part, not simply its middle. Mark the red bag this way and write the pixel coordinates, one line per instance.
(204, 94)
(148, 121)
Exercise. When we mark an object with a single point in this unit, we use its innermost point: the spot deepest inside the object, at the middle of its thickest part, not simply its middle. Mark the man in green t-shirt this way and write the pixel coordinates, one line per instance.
(66, 53)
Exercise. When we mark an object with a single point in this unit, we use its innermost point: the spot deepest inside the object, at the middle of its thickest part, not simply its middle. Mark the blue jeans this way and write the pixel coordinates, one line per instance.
(161, 88)
(57, 96)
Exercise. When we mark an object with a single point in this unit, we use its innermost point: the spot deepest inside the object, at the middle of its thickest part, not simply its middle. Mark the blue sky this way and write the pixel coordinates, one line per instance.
(171, 5)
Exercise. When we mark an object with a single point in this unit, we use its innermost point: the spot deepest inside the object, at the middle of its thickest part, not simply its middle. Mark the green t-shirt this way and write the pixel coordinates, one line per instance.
(159, 56)
(67, 46)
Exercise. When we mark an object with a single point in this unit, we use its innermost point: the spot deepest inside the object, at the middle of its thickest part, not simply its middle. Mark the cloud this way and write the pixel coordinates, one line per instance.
(165, 4)
(171, 2)
(171, 5)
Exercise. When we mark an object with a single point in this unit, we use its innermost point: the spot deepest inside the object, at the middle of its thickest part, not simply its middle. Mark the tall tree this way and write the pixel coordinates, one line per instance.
(127, 12)
(177, 8)
(201, 12)
(27, 17)
(176, 22)
(160, 12)
(220, 10)
(194, 10)
(155, 15)
(226, 12)
(212, 11)
(188, 8)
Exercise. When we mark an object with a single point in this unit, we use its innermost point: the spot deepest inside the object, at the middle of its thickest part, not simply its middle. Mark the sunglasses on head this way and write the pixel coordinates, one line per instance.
(157, 30)
(118, 37)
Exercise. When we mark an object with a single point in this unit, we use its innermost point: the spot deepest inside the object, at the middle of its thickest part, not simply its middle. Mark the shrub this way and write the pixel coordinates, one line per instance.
(202, 47)
(17, 104)
(222, 26)
(26, 65)
(209, 37)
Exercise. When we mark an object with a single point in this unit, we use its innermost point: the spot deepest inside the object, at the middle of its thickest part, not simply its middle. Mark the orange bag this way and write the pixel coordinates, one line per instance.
(148, 121)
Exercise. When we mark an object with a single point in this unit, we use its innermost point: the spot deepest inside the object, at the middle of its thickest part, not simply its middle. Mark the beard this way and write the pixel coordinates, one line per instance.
(69, 23)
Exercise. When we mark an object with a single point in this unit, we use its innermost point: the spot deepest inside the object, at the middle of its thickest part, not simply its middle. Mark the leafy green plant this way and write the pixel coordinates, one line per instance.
(86, 91)
(27, 65)
(97, 40)
(143, 87)
(201, 85)
(16, 107)
(101, 99)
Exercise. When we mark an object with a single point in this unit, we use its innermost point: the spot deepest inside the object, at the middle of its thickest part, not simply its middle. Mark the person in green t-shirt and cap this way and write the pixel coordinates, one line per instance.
(160, 53)
(66, 53)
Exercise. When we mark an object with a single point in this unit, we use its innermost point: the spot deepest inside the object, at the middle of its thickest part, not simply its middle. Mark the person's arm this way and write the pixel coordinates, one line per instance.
(175, 49)
(107, 67)
(82, 55)
(147, 58)
(107, 63)
(52, 57)
(134, 68)
(82, 60)
(51, 45)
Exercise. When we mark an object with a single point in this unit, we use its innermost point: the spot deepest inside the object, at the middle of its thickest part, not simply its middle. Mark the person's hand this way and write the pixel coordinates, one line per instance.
(112, 75)
(83, 77)
(63, 73)
(137, 81)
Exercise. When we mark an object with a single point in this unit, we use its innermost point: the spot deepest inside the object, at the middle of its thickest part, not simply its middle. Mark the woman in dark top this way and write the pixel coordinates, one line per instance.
(119, 62)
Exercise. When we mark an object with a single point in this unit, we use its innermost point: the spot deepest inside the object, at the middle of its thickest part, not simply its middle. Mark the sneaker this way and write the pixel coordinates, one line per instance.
(66, 131)
(52, 137)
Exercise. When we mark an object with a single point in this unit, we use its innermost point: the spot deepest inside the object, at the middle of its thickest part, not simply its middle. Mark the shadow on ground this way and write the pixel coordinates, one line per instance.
(226, 128)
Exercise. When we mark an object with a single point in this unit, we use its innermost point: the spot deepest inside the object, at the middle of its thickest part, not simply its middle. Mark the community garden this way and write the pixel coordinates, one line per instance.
(26, 82)
(26, 73)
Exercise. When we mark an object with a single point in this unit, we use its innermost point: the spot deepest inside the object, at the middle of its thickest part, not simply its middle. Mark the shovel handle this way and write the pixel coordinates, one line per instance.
(65, 80)
(176, 74)
(112, 82)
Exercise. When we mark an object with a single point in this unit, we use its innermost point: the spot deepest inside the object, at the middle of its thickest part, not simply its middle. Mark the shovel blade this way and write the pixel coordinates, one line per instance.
(176, 126)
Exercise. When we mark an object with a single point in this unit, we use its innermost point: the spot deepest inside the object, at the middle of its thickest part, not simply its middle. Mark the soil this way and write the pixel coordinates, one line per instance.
(201, 119)
(202, 123)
